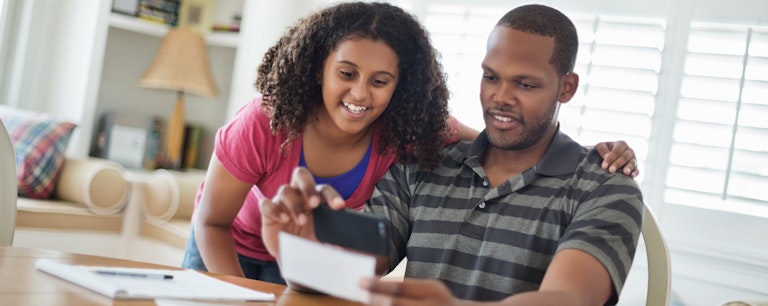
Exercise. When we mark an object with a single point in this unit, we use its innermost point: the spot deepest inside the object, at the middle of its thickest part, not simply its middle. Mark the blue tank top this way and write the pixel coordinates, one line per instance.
(346, 183)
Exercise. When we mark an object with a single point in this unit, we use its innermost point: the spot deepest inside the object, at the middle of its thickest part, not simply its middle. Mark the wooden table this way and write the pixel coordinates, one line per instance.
(21, 284)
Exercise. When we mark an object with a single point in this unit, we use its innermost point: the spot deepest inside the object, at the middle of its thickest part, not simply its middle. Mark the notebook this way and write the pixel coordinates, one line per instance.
(148, 284)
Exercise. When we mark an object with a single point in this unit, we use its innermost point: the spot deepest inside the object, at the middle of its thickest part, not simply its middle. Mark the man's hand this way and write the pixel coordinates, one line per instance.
(409, 292)
(618, 155)
(290, 209)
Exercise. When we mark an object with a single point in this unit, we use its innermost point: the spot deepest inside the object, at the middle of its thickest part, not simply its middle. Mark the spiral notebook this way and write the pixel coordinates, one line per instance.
(148, 284)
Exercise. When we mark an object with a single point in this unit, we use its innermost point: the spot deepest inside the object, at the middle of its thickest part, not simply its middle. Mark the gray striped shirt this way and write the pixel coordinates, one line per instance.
(489, 243)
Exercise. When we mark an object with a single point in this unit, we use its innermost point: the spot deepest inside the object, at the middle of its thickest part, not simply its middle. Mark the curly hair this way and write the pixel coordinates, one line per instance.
(546, 21)
(413, 124)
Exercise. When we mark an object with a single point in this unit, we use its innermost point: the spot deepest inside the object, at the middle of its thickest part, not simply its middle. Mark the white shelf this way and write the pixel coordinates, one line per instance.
(130, 23)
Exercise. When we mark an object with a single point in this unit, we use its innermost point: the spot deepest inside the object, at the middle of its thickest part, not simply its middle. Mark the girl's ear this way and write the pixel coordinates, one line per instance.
(568, 87)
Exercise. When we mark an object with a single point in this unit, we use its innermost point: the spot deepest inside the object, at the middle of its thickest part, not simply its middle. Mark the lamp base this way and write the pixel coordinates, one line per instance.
(174, 136)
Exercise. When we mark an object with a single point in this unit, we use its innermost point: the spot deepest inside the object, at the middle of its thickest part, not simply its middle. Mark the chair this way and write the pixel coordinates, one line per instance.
(8, 188)
(659, 267)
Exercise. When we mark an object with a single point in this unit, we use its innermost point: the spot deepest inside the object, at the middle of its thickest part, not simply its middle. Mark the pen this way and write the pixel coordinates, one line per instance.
(133, 274)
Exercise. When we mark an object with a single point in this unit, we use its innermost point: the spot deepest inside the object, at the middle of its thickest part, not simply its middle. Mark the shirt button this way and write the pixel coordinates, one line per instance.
(482, 205)
(485, 183)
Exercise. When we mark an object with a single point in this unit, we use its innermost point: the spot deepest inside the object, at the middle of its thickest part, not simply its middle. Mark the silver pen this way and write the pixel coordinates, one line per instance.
(133, 274)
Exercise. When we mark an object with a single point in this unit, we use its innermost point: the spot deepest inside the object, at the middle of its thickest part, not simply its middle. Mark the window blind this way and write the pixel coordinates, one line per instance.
(719, 152)
(618, 64)
(719, 157)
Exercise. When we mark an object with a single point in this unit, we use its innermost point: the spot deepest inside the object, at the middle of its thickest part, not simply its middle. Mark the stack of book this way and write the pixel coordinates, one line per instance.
(162, 11)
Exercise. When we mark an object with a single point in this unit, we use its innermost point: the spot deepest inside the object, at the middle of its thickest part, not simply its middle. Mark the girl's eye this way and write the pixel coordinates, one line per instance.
(380, 83)
(346, 74)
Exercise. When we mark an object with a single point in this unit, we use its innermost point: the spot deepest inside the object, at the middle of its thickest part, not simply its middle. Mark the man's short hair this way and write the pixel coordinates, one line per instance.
(546, 21)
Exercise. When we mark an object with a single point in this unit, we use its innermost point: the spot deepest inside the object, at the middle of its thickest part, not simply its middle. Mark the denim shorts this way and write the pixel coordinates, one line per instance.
(263, 270)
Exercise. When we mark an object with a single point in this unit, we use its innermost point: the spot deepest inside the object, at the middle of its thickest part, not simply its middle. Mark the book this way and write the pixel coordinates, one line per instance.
(153, 152)
(100, 140)
(141, 284)
(191, 147)
(160, 11)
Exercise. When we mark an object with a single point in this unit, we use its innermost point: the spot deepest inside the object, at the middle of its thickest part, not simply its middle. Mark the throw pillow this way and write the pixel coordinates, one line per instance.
(39, 141)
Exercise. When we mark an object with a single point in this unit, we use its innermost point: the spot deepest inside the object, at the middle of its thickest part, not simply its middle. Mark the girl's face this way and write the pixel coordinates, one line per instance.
(359, 78)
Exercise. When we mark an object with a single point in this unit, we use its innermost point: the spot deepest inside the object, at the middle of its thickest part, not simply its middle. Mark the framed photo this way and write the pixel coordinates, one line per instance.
(128, 7)
(197, 14)
(127, 145)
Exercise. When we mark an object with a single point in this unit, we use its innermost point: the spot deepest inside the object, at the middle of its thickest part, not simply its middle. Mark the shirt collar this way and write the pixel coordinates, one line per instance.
(562, 157)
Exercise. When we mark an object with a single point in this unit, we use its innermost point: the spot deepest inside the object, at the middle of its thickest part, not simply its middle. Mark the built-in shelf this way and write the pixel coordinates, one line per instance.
(130, 23)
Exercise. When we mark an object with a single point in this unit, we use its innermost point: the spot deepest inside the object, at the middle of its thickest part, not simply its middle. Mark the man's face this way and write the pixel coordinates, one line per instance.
(520, 90)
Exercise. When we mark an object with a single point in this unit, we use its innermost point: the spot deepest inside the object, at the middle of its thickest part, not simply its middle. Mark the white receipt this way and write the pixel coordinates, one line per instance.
(325, 268)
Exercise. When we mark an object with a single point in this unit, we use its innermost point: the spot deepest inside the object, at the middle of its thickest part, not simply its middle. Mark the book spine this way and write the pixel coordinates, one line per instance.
(100, 146)
(161, 11)
(192, 137)
(154, 138)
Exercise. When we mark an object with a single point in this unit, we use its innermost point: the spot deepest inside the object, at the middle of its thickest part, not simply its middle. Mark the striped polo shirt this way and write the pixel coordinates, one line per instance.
(487, 243)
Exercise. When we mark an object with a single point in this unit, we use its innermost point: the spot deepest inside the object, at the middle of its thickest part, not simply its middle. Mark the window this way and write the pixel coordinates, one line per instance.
(616, 96)
(459, 33)
(721, 136)
(619, 63)
(691, 98)
(4, 45)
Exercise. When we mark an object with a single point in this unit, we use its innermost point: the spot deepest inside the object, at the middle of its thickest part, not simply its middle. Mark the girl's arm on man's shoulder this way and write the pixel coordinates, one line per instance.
(458, 131)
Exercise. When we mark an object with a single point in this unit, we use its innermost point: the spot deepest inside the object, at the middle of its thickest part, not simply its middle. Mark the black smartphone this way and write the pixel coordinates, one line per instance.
(351, 229)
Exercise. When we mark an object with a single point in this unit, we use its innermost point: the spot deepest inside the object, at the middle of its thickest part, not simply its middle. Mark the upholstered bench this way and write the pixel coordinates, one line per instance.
(91, 205)
(56, 192)
(169, 203)
(90, 194)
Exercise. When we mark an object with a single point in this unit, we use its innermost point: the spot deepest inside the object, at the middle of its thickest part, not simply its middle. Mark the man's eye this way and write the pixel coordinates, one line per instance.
(490, 77)
(526, 85)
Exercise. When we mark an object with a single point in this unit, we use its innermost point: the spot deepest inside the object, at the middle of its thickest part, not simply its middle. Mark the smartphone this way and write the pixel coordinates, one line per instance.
(351, 229)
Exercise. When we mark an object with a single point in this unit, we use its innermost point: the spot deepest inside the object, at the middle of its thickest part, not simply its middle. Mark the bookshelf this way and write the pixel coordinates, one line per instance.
(84, 61)
(130, 45)
(138, 25)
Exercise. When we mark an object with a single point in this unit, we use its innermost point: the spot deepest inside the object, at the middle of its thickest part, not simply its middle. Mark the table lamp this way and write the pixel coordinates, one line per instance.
(181, 65)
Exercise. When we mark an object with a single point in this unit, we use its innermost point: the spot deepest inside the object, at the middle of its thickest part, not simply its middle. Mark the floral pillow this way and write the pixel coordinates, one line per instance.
(39, 141)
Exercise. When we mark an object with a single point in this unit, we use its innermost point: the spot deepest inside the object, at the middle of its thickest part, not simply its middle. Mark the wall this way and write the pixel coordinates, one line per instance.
(266, 21)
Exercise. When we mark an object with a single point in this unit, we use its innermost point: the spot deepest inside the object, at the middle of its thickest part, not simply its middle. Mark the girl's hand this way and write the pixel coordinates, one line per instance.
(290, 210)
(618, 155)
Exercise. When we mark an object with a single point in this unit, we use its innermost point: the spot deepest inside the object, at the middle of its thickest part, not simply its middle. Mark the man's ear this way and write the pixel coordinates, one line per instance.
(570, 83)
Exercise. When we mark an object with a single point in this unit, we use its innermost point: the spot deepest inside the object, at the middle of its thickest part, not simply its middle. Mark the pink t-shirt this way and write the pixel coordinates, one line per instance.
(247, 148)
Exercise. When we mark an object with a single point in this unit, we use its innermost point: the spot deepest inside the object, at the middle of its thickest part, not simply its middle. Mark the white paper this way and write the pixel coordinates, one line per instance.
(185, 285)
(325, 268)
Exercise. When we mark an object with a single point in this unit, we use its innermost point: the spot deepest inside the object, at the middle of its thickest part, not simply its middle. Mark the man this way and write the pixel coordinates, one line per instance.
(521, 216)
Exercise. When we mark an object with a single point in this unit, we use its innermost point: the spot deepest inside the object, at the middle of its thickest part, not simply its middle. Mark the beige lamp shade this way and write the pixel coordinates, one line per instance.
(181, 64)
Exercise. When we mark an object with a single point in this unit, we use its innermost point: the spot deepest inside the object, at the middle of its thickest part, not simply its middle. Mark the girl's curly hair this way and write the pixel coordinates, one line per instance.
(414, 123)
